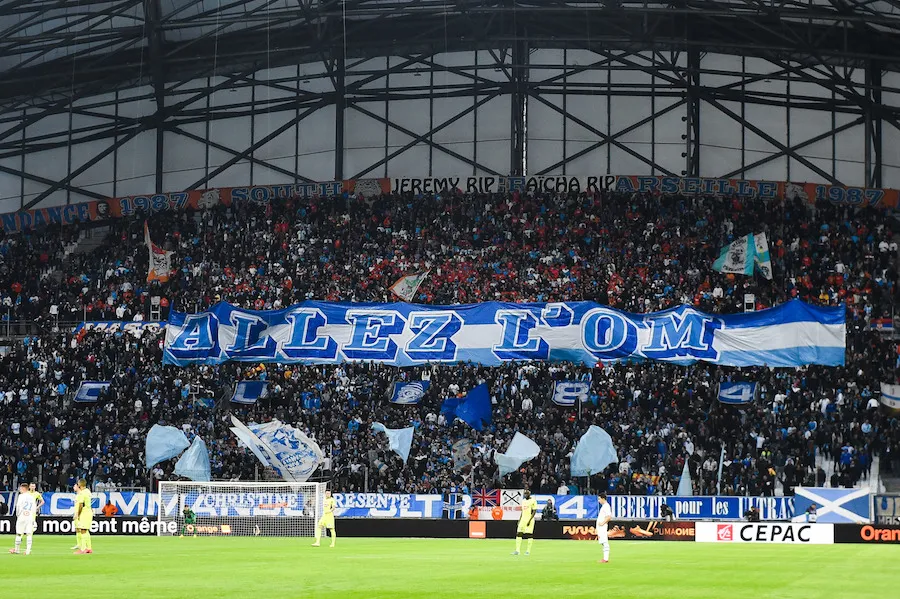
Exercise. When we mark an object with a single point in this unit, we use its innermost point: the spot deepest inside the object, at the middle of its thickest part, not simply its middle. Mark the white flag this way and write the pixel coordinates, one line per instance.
(160, 260)
(520, 450)
(293, 455)
(762, 259)
(737, 257)
(405, 288)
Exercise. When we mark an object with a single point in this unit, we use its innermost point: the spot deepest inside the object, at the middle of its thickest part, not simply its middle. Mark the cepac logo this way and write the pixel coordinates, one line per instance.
(724, 532)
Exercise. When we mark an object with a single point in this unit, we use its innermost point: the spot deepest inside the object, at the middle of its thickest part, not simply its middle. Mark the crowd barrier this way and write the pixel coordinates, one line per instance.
(450, 506)
(583, 530)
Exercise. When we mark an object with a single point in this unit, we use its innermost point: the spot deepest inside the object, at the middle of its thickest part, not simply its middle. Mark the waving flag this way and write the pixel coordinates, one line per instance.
(737, 258)
(685, 486)
(89, 391)
(520, 450)
(163, 443)
(292, 454)
(569, 393)
(409, 393)
(762, 259)
(737, 393)
(247, 392)
(474, 409)
(160, 260)
(194, 463)
(593, 453)
(405, 288)
(400, 439)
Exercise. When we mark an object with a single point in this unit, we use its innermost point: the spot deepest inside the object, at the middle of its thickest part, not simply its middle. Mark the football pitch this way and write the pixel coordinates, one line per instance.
(196, 568)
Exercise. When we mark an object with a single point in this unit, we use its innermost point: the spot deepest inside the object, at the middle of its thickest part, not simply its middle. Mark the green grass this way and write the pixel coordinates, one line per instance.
(254, 568)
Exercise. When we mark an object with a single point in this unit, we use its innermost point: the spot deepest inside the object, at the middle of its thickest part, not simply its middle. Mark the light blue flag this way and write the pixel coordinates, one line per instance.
(520, 450)
(194, 463)
(685, 486)
(400, 439)
(593, 453)
(164, 443)
(289, 452)
(738, 257)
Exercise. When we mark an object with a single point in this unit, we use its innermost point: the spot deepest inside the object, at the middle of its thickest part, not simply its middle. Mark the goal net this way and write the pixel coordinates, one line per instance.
(239, 509)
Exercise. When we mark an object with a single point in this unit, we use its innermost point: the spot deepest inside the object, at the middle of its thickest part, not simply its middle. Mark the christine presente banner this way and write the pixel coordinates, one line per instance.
(400, 334)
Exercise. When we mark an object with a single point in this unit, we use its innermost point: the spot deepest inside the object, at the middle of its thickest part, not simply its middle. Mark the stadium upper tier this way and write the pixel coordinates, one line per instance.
(634, 252)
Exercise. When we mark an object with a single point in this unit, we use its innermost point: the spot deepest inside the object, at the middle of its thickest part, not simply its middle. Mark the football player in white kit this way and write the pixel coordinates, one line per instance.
(603, 518)
(26, 513)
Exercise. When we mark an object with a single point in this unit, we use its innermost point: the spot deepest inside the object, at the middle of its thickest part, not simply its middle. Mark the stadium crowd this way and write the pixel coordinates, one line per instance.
(633, 252)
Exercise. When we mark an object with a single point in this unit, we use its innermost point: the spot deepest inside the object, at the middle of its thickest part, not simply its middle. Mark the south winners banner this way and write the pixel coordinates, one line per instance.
(492, 333)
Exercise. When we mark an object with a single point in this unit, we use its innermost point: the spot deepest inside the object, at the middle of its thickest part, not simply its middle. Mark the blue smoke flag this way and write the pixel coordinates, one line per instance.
(89, 391)
(164, 443)
(737, 393)
(738, 257)
(593, 453)
(473, 409)
(194, 463)
(685, 486)
(247, 392)
(292, 454)
(409, 393)
(400, 439)
(520, 450)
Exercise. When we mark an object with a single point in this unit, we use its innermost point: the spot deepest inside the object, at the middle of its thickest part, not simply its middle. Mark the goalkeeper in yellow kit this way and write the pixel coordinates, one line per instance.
(327, 520)
(525, 529)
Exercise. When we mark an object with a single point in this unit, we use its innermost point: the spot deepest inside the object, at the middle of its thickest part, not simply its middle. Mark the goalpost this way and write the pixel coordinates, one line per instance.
(240, 509)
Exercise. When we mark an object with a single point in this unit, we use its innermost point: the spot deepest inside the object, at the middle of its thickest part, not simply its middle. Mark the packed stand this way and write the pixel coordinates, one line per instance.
(632, 252)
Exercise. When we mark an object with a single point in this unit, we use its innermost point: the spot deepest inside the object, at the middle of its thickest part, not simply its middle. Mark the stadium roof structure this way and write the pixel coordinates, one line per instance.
(55, 53)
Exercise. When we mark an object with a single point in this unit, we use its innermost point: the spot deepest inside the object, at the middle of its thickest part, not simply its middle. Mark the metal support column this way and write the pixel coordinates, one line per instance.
(692, 129)
(873, 151)
(340, 104)
(519, 114)
(153, 31)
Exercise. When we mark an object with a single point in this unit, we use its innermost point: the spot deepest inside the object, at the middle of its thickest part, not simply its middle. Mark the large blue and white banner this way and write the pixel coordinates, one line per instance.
(390, 505)
(492, 333)
(89, 391)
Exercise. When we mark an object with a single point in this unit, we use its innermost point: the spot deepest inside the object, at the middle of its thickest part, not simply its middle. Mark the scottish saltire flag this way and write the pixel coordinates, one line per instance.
(194, 463)
(685, 484)
(890, 396)
(520, 450)
(160, 260)
(593, 452)
(247, 392)
(761, 258)
(409, 393)
(569, 393)
(838, 506)
(399, 439)
(405, 288)
(163, 443)
(292, 454)
(473, 409)
(89, 391)
(737, 258)
(737, 393)
(496, 333)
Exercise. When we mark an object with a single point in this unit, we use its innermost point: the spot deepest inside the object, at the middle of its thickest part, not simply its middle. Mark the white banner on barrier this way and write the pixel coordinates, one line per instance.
(765, 532)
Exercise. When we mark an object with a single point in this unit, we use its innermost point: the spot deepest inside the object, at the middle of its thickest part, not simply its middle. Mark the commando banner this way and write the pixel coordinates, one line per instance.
(399, 334)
